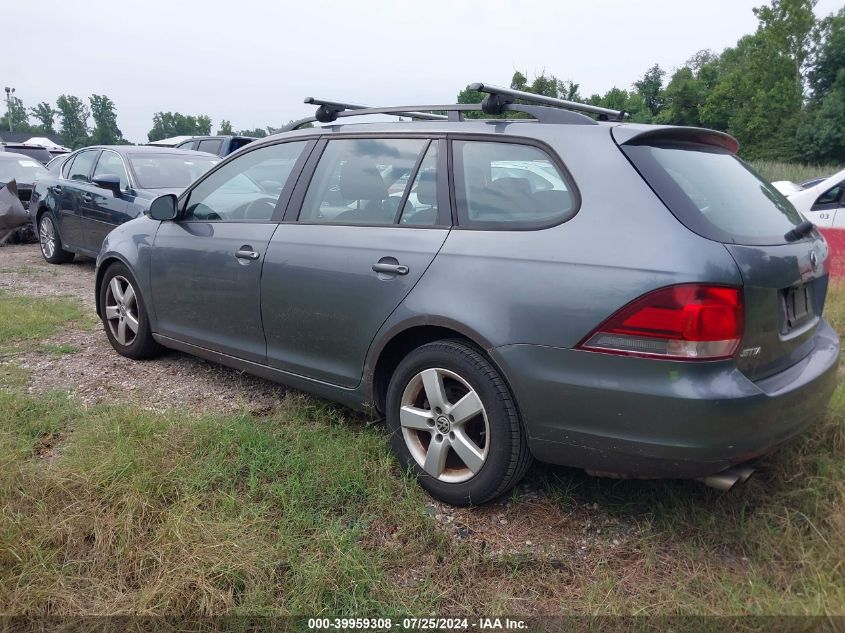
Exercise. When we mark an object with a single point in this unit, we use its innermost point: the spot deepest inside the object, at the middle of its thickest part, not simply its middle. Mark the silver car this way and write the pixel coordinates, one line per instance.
(628, 299)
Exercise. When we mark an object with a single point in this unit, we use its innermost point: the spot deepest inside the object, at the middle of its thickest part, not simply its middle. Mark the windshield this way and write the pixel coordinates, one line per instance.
(715, 194)
(23, 170)
(169, 171)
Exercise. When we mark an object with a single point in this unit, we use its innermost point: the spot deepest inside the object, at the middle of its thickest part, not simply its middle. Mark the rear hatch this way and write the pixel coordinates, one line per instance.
(699, 178)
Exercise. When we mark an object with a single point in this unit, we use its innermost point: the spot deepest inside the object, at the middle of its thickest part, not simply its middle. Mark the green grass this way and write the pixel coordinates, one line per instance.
(119, 510)
(25, 319)
(795, 172)
(58, 349)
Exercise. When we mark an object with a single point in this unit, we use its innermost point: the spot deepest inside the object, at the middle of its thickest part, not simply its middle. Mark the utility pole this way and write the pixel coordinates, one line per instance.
(9, 93)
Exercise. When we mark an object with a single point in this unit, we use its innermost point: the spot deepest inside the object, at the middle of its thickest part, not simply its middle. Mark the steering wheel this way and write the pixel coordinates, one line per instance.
(261, 208)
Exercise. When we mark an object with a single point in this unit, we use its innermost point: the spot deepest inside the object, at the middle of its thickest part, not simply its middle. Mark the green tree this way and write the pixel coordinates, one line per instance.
(73, 114)
(16, 114)
(821, 134)
(225, 128)
(45, 114)
(258, 132)
(168, 124)
(688, 89)
(650, 88)
(105, 130)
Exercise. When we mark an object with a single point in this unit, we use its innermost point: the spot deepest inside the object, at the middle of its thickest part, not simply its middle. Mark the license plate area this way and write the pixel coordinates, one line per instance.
(796, 307)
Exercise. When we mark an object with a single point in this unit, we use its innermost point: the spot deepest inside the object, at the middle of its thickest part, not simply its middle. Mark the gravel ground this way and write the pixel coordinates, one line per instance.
(96, 373)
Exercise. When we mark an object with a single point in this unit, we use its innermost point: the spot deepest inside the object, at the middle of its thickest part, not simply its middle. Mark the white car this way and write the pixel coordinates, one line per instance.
(820, 201)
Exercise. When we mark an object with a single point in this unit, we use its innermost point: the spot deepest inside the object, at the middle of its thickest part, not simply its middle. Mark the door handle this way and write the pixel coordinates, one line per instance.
(247, 253)
(87, 197)
(57, 188)
(390, 269)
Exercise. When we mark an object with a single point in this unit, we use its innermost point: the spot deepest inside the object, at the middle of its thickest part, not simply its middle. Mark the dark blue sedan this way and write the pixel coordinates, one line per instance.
(99, 188)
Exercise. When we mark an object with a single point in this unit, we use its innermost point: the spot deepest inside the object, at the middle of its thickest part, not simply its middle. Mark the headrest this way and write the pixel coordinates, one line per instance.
(427, 188)
(360, 180)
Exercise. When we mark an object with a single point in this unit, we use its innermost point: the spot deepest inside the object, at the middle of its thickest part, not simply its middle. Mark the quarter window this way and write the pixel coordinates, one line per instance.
(111, 164)
(81, 168)
(247, 188)
(831, 196)
(361, 181)
(509, 184)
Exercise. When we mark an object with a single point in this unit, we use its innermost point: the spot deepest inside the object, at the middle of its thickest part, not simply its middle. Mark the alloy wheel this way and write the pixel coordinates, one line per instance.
(444, 425)
(121, 309)
(47, 237)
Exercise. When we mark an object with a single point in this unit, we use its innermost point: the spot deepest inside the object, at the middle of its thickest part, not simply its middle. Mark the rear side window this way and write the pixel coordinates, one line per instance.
(715, 194)
(509, 185)
(362, 181)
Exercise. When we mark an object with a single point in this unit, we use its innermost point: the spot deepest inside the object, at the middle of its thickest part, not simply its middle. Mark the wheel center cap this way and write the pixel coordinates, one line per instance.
(443, 425)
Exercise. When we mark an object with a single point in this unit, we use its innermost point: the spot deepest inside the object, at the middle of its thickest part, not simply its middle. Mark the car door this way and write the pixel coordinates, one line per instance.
(356, 238)
(104, 210)
(70, 193)
(206, 266)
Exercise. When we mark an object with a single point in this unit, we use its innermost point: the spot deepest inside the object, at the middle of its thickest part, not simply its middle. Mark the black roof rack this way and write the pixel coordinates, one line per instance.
(497, 101)
(498, 98)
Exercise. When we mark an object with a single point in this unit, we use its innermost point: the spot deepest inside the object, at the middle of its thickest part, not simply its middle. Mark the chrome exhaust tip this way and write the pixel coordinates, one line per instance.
(727, 479)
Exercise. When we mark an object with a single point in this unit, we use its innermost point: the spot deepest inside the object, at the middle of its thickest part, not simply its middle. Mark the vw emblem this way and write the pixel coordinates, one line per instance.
(814, 260)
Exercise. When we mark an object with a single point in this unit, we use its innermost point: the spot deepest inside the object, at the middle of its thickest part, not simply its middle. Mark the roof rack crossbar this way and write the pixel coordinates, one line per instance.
(328, 111)
(499, 97)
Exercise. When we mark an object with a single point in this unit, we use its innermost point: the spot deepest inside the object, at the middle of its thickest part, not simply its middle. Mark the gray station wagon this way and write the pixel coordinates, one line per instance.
(628, 299)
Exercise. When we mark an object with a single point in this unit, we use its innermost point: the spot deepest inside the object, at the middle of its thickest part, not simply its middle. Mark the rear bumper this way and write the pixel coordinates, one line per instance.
(648, 418)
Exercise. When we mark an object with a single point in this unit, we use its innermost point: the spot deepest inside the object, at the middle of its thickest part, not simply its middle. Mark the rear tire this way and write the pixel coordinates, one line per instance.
(454, 424)
(51, 241)
(124, 315)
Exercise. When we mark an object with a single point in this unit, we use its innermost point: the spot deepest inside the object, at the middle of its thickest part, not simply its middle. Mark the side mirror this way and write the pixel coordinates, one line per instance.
(108, 181)
(163, 208)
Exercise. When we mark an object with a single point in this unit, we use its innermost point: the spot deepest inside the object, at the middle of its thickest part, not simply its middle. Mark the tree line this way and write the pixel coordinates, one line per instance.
(780, 91)
(71, 116)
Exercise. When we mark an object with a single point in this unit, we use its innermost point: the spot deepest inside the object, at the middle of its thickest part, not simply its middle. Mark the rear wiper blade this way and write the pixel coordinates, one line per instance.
(803, 229)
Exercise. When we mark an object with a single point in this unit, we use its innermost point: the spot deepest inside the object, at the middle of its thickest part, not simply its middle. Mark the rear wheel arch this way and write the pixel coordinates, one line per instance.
(405, 340)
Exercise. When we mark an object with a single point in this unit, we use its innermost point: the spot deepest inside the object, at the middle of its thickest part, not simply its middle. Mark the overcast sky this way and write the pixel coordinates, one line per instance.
(253, 61)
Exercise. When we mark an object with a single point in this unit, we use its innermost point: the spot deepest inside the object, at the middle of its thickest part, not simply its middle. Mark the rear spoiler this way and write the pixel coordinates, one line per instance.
(645, 135)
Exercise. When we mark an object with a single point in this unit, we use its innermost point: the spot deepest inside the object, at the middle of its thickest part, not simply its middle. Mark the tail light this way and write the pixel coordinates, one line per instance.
(685, 322)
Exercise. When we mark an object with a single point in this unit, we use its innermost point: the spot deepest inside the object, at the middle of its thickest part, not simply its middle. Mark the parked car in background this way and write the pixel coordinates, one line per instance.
(25, 171)
(38, 152)
(822, 202)
(589, 293)
(98, 188)
(218, 145)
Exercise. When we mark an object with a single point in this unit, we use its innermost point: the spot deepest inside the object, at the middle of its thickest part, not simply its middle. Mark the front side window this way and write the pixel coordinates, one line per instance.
(185, 145)
(80, 170)
(169, 171)
(361, 181)
(245, 189)
(502, 185)
(111, 164)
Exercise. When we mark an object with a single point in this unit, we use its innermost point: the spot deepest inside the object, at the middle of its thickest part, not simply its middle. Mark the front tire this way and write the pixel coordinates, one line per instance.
(50, 241)
(454, 424)
(124, 315)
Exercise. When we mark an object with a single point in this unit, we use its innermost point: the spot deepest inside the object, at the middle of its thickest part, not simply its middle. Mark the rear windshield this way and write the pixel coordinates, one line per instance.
(38, 153)
(714, 193)
(22, 170)
(169, 171)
